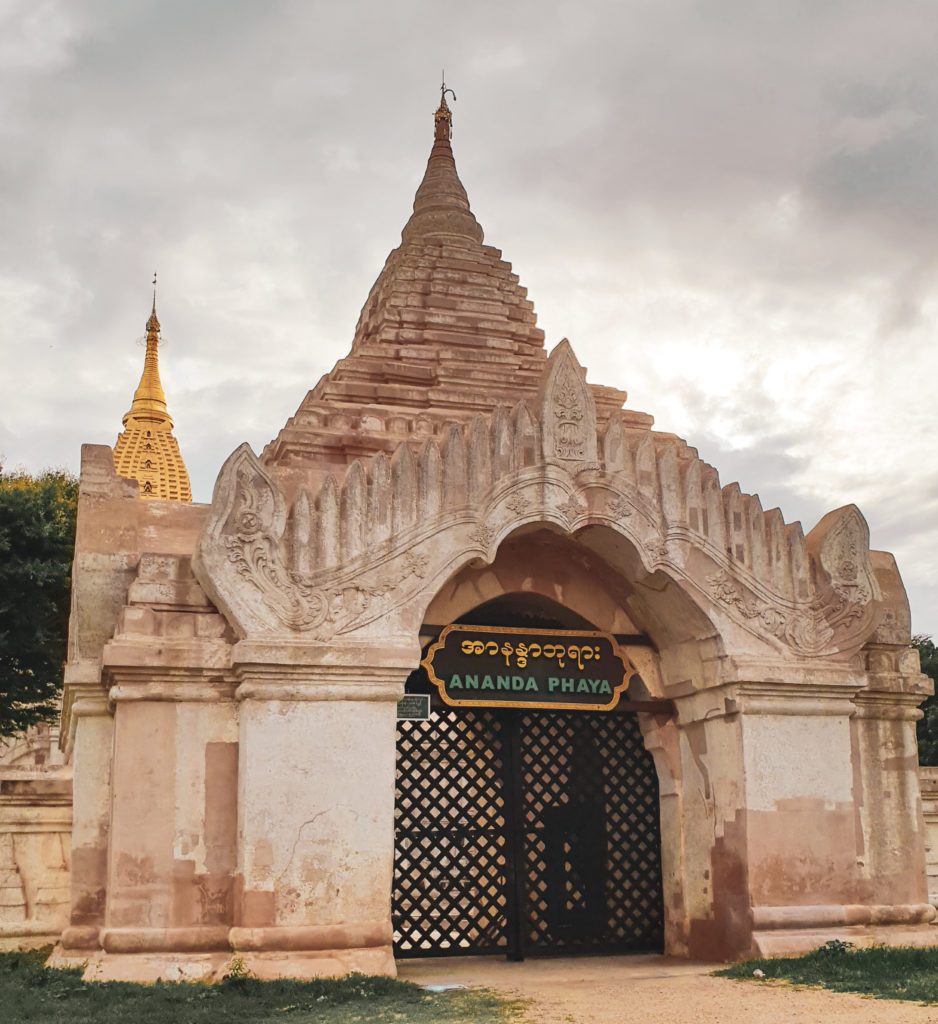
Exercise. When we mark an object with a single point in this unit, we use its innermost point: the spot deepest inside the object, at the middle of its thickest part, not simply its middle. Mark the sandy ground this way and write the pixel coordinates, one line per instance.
(655, 990)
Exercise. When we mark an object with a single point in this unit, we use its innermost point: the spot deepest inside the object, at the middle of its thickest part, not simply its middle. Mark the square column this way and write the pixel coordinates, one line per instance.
(172, 844)
(91, 739)
(316, 808)
(814, 770)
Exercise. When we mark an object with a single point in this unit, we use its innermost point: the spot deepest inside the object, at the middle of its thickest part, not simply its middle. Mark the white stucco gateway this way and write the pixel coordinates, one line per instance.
(235, 668)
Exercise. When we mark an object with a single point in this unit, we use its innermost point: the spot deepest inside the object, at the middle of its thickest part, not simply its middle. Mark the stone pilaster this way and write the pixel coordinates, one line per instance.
(889, 804)
(90, 738)
(316, 806)
(173, 829)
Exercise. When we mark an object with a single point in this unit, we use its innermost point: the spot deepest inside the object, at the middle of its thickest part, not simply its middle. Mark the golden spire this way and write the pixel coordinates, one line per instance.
(149, 402)
(146, 450)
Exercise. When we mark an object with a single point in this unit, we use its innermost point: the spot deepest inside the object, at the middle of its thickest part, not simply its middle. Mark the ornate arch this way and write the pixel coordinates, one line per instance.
(361, 558)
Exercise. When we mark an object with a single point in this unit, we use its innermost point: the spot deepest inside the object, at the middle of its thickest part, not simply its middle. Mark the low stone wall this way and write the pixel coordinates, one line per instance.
(35, 842)
(928, 781)
(35, 838)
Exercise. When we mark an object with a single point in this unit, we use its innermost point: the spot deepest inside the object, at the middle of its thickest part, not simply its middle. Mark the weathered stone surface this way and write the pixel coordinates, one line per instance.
(233, 669)
(35, 846)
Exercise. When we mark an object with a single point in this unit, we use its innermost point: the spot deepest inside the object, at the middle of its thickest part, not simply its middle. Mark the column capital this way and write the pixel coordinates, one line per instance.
(300, 671)
(784, 698)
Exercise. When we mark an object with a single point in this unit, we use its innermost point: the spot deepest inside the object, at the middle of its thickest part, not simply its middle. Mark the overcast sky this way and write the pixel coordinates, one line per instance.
(730, 208)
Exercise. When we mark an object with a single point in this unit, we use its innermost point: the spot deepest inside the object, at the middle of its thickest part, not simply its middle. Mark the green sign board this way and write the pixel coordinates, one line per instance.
(495, 667)
(414, 706)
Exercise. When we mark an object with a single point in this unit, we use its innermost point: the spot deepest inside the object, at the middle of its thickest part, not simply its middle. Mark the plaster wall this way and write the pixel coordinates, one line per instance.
(799, 807)
(315, 821)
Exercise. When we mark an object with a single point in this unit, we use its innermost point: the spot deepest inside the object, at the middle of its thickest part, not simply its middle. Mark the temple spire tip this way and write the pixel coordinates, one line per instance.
(443, 118)
(149, 401)
(153, 324)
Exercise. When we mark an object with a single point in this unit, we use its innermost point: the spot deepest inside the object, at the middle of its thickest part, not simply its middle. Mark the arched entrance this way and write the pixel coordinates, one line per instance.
(524, 831)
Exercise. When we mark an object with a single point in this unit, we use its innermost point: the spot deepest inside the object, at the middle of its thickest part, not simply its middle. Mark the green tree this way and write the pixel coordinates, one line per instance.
(37, 541)
(928, 724)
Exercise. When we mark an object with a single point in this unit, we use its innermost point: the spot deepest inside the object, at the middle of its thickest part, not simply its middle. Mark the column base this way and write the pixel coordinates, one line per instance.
(212, 967)
(797, 941)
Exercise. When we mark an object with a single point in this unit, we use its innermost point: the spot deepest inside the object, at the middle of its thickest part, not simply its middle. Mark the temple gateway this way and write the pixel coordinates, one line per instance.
(278, 753)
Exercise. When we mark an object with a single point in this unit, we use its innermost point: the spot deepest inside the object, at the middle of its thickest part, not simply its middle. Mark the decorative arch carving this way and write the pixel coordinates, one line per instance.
(365, 559)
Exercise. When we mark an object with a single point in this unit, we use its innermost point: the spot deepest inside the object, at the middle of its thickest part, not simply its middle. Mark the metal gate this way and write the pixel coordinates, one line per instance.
(522, 832)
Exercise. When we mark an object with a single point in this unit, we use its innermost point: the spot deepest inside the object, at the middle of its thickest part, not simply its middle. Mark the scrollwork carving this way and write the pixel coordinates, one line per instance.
(568, 420)
(807, 633)
(482, 535)
(571, 509)
(618, 508)
(844, 554)
(568, 413)
(257, 558)
(517, 503)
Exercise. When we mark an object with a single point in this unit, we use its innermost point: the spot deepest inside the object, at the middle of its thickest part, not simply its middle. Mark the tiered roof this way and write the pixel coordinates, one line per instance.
(447, 331)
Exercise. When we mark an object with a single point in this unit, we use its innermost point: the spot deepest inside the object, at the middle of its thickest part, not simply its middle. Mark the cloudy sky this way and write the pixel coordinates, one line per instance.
(730, 207)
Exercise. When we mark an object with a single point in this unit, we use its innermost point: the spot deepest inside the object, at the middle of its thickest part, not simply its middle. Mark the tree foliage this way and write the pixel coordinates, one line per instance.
(928, 724)
(37, 539)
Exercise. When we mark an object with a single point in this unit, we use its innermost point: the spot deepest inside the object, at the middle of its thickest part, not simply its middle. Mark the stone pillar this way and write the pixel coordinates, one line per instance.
(889, 803)
(173, 823)
(316, 807)
(888, 797)
(90, 738)
(713, 920)
(662, 740)
(815, 871)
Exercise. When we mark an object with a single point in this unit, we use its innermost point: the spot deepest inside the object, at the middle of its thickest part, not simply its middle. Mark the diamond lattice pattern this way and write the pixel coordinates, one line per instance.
(571, 799)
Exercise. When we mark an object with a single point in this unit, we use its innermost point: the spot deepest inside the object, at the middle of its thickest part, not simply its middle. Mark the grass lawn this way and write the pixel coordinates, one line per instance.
(33, 993)
(910, 974)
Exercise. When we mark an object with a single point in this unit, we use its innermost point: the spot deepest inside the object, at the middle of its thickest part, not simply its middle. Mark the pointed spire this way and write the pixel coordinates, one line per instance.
(153, 325)
(146, 450)
(149, 402)
(441, 206)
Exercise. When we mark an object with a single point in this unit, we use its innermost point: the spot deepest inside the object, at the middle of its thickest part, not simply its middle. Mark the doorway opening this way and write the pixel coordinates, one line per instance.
(525, 832)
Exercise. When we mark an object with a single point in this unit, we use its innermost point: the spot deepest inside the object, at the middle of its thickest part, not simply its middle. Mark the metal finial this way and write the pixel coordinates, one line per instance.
(153, 325)
(443, 118)
(444, 90)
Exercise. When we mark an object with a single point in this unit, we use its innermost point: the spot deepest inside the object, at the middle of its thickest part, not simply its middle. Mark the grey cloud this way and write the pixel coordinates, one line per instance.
(664, 176)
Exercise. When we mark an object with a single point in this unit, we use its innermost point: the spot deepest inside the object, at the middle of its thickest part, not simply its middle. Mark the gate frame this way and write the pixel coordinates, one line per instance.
(515, 887)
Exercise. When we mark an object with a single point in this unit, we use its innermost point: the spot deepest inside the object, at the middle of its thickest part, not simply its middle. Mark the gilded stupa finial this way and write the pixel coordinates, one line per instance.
(146, 450)
(443, 118)
(149, 402)
(153, 325)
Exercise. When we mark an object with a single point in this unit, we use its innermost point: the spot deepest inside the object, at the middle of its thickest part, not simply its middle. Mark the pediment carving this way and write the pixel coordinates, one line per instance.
(356, 555)
(568, 412)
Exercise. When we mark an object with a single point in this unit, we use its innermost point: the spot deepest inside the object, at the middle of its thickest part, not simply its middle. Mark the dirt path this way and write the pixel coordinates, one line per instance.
(655, 990)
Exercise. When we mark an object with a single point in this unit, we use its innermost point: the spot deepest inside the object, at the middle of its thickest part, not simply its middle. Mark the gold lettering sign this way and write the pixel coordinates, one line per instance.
(495, 666)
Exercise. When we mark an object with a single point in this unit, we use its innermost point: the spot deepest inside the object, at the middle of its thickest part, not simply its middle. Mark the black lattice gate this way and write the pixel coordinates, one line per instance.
(525, 832)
